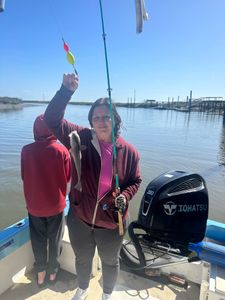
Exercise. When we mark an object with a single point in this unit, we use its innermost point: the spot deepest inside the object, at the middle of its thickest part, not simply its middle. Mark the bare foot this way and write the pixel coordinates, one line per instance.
(41, 277)
(52, 277)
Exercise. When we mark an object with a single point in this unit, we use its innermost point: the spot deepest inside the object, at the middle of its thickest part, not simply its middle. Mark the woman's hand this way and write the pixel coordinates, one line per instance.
(70, 81)
(120, 203)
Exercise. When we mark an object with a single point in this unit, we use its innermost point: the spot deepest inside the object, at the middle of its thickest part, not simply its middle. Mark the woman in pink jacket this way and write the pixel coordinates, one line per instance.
(92, 219)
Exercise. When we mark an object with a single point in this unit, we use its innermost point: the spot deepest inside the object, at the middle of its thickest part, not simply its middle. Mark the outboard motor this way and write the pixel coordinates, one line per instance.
(173, 213)
(174, 208)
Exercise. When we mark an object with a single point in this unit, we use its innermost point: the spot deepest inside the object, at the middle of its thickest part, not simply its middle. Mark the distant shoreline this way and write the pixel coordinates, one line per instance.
(214, 107)
(118, 104)
(10, 106)
(22, 104)
(10, 103)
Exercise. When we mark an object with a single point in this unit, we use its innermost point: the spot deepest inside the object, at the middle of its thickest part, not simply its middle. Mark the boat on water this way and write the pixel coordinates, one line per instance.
(163, 260)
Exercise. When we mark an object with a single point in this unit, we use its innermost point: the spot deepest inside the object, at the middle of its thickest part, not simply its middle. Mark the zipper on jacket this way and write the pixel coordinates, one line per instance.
(97, 201)
(95, 211)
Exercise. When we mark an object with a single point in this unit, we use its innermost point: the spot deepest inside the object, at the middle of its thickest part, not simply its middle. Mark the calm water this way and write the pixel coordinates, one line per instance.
(166, 140)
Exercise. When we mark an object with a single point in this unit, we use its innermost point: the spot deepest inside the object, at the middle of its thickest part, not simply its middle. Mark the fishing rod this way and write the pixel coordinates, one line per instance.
(117, 192)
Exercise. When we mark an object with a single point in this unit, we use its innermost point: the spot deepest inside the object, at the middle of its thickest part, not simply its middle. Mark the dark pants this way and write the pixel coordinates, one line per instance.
(84, 240)
(46, 239)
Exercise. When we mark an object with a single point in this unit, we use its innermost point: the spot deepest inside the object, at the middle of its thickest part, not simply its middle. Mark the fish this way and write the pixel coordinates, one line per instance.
(75, 151)
(141, 14)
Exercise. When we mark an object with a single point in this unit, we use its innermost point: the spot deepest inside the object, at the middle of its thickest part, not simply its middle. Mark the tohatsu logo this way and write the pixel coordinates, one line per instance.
(170, 208)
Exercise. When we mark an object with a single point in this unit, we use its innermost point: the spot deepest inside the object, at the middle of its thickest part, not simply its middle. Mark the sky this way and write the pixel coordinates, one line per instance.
(181, 48)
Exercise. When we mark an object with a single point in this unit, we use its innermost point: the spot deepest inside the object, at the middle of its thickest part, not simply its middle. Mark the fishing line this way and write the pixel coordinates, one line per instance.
(54, 18)
(69, 56)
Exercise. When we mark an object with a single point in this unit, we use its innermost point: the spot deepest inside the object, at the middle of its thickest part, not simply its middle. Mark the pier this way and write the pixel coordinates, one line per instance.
(214, 105)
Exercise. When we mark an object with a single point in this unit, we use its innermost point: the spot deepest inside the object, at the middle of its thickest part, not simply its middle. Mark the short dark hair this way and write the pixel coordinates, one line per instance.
(106, 102)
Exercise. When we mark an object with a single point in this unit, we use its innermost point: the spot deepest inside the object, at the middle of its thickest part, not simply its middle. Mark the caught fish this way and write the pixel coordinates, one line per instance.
(76, 155)
(141, 14)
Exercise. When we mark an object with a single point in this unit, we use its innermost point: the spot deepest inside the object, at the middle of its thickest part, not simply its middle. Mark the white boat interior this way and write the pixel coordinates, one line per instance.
(202, 280)
(179, 255)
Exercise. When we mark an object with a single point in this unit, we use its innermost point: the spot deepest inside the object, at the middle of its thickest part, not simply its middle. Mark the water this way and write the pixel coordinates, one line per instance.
(166, 140)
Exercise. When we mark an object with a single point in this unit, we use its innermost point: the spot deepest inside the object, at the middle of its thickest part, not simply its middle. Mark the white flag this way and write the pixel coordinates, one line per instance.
(141, 14)
(2, 5)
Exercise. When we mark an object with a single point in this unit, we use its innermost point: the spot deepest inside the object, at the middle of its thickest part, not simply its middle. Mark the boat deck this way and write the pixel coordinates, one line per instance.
(129, 286)
(17, 261)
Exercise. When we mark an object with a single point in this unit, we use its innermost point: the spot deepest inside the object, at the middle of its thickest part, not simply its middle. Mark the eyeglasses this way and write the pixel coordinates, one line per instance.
(105, 118)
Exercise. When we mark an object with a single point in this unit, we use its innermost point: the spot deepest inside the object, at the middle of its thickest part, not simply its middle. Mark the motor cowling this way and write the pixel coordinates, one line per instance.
(174, 208)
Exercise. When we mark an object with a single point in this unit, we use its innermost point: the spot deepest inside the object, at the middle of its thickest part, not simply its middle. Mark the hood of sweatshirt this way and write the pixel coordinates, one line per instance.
(41, 131)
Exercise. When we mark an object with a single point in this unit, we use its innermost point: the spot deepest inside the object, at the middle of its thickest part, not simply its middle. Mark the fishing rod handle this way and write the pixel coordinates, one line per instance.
(120, 223)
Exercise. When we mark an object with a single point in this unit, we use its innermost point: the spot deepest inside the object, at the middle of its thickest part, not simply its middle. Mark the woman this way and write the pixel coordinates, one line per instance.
(92, 219)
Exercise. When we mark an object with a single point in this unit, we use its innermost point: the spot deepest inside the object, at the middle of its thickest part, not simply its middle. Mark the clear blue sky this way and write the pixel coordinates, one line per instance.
(181, 48)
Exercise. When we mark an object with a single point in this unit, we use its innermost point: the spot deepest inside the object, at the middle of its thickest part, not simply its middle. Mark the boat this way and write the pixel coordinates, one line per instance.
(164, 272)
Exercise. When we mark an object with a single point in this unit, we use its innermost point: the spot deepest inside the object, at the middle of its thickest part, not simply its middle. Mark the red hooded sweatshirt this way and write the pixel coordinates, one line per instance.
(45, 171)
